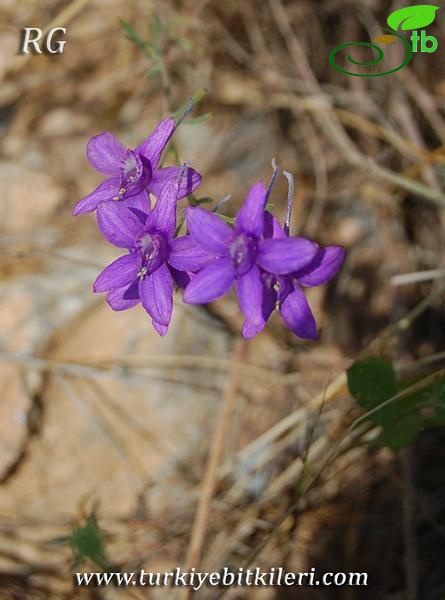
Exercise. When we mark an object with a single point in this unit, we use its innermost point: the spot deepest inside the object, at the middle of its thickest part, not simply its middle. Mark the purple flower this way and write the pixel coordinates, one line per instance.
(284, 291)
(133, 172)
(155, 259)
(241, 254)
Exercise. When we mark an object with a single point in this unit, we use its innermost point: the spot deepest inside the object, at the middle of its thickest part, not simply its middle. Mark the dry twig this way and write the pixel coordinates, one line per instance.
(211, 474)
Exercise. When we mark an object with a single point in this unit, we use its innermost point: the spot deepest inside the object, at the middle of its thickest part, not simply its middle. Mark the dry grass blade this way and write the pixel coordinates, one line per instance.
(268, 444)
(210, 480)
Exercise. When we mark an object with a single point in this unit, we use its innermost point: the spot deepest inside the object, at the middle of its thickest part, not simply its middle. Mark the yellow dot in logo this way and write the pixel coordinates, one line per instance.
(385, 39)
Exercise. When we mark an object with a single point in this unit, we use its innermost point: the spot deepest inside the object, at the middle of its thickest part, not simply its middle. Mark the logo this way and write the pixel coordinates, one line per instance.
(411, 18)
(31, 36)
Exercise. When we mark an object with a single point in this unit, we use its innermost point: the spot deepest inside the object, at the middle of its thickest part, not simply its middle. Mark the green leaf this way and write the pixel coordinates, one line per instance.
(154, 71)
(196, 98)
(157, 31)
(196, 120)
(371, 382)
(431, 393)
(150, 50)
(203, 200)
(401, 432)
(434, 398)
(87, 542)
(437, 419)
(398, 407)
(226, 219)
(133, 36)
(412, 17)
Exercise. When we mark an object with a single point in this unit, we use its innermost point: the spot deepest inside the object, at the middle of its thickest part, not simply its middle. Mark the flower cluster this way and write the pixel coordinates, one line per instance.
(268, 266)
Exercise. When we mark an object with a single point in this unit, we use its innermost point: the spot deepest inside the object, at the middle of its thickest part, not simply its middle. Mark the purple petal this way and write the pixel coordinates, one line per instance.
(250, 295)
(269, 297)
(250, 218)
(210, 283)
(163, 216)
(118, 224)
(154, 145)
(123, 298)
(323, 267)
(187, 255)
(156, 291)
(117, 274)
(159, 328)
(139, 205)
(107, 190)
(208, 230)
(104, 152)
(297, 315)
(181, 278)
(269, 301)
(140, 202)
(249, 330)
(282, 256)
(272, 227)
(189, 181)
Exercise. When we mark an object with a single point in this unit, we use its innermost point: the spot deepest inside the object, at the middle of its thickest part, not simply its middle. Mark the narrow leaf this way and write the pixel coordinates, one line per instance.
(196, 120)
(196, 98)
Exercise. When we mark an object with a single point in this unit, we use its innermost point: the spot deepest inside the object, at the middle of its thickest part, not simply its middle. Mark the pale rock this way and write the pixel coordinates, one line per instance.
(29, 198)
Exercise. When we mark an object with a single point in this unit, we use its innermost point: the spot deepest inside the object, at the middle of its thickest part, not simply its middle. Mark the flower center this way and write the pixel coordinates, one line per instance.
(243, 251)
(134, 174)
(280, 286)
(152, 249)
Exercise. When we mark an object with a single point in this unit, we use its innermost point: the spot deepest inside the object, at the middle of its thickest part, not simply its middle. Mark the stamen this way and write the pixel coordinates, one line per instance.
(221, 203)
(242, 252)
(192, 102)
(276, 170)
(290, 200)
(188, 110)
(142, 272)
(184, 167)
(239, 256)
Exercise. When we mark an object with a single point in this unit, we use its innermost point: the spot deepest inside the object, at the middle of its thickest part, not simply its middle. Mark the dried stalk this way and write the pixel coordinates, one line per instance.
(211, 474)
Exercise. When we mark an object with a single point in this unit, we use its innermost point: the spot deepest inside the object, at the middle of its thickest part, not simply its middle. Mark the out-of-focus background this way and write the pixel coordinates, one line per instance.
(105, 429)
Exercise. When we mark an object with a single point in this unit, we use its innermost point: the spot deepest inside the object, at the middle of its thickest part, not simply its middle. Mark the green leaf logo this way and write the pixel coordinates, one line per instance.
(412, 17)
